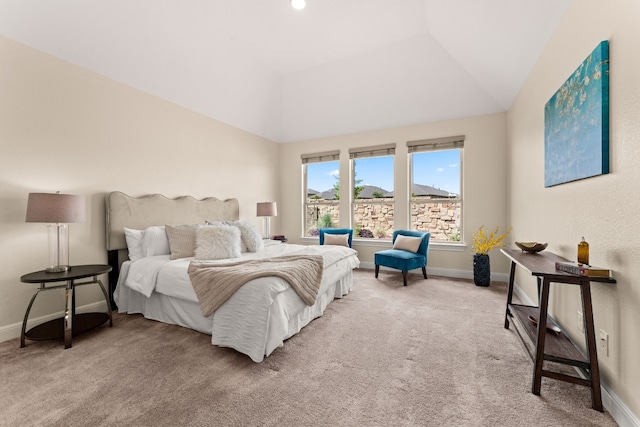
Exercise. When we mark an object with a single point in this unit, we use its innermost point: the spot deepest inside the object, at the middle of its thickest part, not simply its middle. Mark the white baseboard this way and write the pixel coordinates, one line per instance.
(618, 410)
(10, 332)
(616, 407)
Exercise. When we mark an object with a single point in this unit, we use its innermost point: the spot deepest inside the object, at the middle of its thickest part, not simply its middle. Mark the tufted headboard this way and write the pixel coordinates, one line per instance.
(155, 209)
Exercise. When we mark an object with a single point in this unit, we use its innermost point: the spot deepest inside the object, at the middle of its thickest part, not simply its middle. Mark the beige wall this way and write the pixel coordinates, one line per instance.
(603, 209)
(65, 128)
(484, 182)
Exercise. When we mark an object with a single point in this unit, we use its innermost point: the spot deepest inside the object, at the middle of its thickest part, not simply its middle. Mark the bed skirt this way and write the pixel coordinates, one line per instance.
(281, 325)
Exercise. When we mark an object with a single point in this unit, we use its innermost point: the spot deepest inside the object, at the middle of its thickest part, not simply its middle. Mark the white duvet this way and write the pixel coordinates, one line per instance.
(259, 316)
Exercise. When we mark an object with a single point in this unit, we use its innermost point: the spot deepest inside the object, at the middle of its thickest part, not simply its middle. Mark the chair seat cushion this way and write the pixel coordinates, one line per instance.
(399, 259)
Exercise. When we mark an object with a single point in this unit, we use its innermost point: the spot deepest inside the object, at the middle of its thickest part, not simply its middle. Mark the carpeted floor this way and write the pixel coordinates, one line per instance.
(434, 353)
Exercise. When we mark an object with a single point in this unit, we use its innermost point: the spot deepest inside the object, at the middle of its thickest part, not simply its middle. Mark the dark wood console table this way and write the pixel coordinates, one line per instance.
(549, 345)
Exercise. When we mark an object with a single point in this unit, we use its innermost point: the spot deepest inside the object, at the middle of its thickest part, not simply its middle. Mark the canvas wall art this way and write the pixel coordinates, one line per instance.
(576, 123)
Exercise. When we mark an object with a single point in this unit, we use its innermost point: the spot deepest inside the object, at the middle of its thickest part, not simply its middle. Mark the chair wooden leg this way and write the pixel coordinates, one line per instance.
(404, 277)
(424, 272)
(377, 270)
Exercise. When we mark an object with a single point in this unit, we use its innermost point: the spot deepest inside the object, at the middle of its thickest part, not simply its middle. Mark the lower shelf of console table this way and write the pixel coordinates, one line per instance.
(558, 347)
(544, 344)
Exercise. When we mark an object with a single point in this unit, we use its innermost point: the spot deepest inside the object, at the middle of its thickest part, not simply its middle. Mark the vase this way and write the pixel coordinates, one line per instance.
(481, 270)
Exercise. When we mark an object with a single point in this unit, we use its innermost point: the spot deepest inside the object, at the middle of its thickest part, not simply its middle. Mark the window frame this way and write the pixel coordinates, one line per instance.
(433, 145)
(369, 152)
(306, 159)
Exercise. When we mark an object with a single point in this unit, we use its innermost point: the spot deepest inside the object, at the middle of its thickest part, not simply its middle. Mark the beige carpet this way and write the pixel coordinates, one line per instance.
(434, 353)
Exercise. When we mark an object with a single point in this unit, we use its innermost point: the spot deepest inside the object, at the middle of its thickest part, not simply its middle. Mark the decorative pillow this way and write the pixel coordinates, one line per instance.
(336, 239)
(182, 240)
(407, 243)
(217, 242)
(134, 243)
(251, 240)
(155, 241)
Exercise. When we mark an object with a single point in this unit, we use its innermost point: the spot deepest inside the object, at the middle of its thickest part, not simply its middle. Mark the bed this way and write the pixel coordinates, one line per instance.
(257, 318)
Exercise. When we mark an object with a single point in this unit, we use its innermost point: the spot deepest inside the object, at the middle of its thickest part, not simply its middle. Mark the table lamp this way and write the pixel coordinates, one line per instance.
(58, 210)
(267, 210)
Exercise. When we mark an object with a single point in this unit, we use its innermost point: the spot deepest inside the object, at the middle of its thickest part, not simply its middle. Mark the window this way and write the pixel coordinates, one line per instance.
(436, 187)
(321, 172)
(372, 183)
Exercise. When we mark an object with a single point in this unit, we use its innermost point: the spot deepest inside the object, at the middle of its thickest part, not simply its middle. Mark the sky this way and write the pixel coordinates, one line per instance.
(439, 169)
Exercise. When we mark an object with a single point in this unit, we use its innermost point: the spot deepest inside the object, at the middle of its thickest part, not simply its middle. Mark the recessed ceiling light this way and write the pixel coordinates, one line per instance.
(298, 4)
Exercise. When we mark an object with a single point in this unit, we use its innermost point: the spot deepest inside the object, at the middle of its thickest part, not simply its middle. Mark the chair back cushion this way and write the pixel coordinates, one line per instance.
(336, 239)
(333, 231)
(424, 244)
(407, 243)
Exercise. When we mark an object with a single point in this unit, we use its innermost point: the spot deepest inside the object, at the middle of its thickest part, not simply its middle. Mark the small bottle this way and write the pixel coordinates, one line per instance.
(583, 252)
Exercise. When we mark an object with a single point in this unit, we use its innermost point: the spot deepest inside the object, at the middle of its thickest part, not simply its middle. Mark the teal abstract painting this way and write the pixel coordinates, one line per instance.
(576, 123)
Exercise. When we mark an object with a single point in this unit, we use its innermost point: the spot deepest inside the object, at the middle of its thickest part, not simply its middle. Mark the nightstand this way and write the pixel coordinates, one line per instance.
(71, 323)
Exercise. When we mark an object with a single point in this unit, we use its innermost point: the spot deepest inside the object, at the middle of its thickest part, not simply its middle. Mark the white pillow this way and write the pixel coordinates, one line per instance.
(407, 243)
(155, 241)
(134, 243)
(336, 239)
(218, 243)
(250, 239)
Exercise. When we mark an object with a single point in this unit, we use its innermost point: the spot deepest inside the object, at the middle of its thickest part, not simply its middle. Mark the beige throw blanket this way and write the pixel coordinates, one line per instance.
(215, 283)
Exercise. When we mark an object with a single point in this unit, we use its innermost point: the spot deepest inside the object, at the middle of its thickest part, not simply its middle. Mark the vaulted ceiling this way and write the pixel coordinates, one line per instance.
(336, 67)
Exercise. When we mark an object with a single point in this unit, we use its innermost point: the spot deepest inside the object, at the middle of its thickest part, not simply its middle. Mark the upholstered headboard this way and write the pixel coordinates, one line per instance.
(154, 209)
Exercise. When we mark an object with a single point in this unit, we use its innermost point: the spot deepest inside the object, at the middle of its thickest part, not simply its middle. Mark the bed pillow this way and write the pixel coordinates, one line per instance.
(250, 239)
(182, 240)
(134, 243)
(407, 243)
(155, 241)
(217, 243)
(336, 239)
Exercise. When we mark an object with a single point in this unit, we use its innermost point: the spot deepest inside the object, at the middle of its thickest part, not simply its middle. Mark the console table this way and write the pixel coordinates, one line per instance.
(549, 345)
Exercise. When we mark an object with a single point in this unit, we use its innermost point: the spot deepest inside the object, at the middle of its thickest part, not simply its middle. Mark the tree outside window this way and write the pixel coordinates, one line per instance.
(373, 198)
(321, 201)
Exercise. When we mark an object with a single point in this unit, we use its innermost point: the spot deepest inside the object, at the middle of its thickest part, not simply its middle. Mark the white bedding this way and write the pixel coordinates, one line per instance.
(256, 319)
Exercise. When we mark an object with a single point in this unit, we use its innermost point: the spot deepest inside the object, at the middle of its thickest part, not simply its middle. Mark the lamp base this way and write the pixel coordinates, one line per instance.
(58, 269)
(267, 232)
(58, 248)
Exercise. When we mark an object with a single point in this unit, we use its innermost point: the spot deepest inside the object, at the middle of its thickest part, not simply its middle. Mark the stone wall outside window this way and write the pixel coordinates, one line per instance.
(441, 219)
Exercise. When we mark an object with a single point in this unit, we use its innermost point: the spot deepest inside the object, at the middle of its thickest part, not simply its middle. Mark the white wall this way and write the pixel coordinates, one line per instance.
(484, 182)
(370, 88)
(603, 209)
(65, 128)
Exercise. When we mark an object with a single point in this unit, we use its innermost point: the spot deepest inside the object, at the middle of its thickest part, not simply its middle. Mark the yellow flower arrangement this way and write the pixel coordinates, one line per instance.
(483, 243)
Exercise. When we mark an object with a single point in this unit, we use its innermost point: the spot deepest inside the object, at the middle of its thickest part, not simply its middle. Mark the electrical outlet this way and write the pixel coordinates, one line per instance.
(580, 320)
(603, 343)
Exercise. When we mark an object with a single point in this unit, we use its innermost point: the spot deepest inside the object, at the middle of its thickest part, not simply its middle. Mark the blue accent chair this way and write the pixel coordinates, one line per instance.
(348, 231)
(405, 260)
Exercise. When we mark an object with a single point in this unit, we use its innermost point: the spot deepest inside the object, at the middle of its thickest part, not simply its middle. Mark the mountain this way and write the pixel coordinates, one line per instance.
(370, 191)
(427, 190)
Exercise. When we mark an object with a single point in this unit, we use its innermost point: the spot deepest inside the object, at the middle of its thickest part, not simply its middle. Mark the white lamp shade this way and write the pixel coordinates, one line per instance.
(55, 208)
(267, 209)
